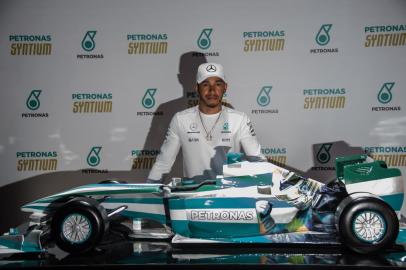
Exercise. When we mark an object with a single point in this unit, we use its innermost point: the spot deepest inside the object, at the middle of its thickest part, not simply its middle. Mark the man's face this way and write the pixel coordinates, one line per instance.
(211, 91)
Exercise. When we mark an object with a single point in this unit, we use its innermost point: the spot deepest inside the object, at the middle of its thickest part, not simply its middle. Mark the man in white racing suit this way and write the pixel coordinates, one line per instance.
(206, 132)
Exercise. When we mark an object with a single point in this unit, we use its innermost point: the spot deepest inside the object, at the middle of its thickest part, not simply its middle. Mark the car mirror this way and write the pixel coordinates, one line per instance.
(176, 182)
(266, 190)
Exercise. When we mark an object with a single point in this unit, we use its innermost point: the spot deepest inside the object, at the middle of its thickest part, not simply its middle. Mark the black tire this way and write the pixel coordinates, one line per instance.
(91, 224)
(368, 225)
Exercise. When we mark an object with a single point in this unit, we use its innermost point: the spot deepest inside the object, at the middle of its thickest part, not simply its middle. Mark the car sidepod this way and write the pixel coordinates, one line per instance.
(242, 210)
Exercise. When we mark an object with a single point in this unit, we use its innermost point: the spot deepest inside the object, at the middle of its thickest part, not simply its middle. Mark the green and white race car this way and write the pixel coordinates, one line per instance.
(251, 203)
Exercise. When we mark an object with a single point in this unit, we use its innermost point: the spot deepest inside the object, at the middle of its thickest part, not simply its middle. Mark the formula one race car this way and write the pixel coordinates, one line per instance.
(252, 202)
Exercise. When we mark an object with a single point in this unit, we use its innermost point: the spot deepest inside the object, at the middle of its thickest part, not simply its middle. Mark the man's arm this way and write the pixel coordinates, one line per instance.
(249, 141)
(167, 155)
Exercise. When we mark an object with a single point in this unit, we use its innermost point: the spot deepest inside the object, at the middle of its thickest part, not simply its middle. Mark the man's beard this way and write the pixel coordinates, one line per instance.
(212, 105)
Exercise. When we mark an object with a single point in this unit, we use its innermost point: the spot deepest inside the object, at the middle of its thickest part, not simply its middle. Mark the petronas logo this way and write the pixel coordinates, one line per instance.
(385, 94)
(323, 155)
(93, 158)
(148, 101)
(33, 102)
(263, 98)
(204, 41)
(323, 36)
(88, 43)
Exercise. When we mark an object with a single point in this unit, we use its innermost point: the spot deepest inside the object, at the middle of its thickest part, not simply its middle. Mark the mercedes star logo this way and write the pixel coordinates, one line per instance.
(211, 68)
(193, 126)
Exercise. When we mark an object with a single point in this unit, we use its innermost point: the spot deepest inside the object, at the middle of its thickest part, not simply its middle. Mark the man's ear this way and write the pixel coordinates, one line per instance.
(197, 89)
(225, 87)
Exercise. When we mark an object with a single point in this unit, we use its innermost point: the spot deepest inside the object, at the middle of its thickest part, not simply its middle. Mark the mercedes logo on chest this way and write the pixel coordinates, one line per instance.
(193, 126)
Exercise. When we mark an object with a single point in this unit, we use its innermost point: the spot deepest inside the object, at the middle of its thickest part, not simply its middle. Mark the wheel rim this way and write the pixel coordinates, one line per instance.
(76, 228)
(369, 226)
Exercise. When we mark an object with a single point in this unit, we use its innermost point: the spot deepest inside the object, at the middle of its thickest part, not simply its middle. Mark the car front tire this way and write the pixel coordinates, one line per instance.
(79, 225)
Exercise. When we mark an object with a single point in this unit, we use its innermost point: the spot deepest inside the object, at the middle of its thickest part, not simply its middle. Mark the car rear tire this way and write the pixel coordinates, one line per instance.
(79, 225)
(368, 225)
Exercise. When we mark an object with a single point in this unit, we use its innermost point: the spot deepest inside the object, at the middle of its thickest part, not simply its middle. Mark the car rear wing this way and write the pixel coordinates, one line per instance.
(361, 168)
(361, 174)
